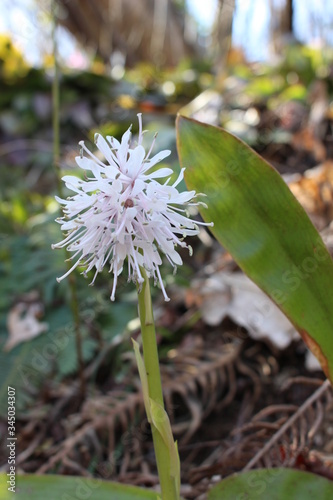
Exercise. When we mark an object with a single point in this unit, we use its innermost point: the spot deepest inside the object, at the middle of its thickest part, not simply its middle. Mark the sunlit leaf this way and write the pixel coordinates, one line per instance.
(52, 487)
(273, 484)
(259, 221)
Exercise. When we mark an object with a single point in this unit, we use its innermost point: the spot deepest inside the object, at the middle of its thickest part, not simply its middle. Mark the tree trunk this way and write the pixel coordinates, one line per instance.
(142, 30)
(287, 17)
(222, 33)
(281, 25)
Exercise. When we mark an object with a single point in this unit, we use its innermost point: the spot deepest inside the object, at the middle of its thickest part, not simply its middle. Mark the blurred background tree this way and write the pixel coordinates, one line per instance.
(141, 30)
(164, 32)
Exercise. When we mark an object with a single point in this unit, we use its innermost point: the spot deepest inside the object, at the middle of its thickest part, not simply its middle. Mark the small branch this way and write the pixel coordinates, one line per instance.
(56, 160)
(290, 422)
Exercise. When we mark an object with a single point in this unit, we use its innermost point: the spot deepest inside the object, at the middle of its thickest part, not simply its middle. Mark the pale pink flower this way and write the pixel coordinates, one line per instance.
(123, 211)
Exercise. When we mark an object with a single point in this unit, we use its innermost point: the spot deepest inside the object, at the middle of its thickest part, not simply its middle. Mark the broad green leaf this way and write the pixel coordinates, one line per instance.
(53, 487)
(273, 484)
(259, 221)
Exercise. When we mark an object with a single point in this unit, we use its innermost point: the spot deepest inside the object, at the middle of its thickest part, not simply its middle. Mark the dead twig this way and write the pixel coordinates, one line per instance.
(298, 416)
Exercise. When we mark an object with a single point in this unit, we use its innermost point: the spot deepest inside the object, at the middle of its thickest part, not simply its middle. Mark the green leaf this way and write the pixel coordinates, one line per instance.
(28, 364)
(67, 362)
(160, 420)
(273, 484)
(53, 487)
(259, 221)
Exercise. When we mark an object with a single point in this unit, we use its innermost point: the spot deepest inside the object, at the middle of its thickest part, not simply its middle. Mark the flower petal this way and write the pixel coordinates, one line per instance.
(104, 147)
(157, 158)
(134, 163)
(160, 173)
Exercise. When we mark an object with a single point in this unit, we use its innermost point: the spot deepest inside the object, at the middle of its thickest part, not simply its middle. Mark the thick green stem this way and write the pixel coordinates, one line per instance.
(150, 355)
(56, 162)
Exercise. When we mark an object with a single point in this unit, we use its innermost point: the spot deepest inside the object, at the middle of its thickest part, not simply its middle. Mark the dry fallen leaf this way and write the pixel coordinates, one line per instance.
(314, 191)
(23, 324)
(236, 296)
(305, 140)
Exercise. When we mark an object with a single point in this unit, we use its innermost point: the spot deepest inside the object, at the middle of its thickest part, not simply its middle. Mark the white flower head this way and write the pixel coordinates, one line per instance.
(123, 211)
